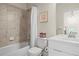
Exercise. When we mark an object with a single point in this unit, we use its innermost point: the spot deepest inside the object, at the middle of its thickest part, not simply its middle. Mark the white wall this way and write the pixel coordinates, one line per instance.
(60, 9)
(50, 26)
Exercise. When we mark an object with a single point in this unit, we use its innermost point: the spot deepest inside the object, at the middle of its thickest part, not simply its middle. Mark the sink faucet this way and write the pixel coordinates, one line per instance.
(72, 35)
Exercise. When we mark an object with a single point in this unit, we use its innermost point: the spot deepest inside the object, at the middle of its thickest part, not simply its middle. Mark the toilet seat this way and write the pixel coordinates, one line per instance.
(34, 51)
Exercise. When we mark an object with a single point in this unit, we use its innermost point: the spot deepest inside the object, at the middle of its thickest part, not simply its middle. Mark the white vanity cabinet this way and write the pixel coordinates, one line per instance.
(62, 47)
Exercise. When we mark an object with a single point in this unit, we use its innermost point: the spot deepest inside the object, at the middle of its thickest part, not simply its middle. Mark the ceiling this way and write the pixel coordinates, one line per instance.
(27, 5)
(20, 5)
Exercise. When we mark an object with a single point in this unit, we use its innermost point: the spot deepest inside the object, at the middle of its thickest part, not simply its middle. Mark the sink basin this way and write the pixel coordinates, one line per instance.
(64, 38)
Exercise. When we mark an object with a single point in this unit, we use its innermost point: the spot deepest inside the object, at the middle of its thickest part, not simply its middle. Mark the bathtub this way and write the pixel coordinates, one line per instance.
(17, 49)
(61, 45)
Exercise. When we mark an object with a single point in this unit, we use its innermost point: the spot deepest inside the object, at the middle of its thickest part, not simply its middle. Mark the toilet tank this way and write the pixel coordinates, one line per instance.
(41, 42)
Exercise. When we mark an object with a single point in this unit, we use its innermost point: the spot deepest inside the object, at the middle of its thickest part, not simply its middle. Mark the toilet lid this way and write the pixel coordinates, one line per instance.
(35, 50)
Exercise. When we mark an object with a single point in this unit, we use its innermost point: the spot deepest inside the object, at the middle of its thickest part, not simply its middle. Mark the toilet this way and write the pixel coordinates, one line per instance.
(41, 43)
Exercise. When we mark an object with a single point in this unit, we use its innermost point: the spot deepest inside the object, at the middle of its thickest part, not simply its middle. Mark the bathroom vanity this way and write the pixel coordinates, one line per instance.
(62, 45)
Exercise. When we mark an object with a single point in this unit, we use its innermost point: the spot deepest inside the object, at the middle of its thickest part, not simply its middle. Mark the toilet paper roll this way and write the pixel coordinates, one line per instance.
(46, 49)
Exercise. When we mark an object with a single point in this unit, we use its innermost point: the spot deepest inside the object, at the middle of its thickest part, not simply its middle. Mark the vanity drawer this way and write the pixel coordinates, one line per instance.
(57, 53)
(66, 47)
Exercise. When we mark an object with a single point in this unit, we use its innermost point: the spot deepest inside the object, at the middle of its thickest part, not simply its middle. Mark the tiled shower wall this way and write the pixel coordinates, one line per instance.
(13, 25)
(25, 24)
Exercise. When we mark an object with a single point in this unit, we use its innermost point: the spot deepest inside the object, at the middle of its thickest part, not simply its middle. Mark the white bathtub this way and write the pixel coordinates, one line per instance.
(61, 45)
(14, 50)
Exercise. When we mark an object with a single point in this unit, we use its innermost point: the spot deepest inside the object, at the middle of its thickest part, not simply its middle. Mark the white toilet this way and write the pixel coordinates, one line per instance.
(41, 43)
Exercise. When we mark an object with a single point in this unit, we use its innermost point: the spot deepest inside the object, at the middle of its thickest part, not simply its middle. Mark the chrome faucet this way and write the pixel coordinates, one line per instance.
(72, 34)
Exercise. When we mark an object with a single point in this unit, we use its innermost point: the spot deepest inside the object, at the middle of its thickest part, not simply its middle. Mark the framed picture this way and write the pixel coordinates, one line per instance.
(43, 16)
